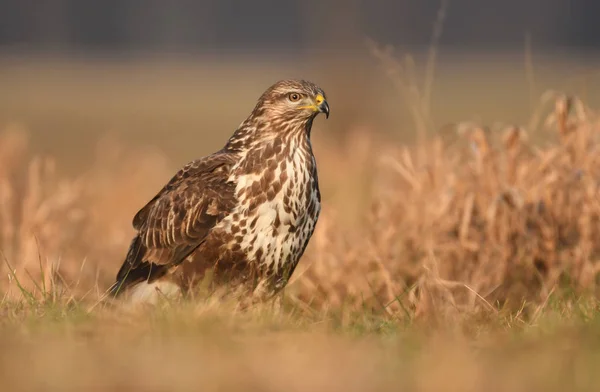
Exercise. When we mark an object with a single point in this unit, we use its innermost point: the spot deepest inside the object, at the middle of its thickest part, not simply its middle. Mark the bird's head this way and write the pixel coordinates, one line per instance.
(287, 107)
(293, 100)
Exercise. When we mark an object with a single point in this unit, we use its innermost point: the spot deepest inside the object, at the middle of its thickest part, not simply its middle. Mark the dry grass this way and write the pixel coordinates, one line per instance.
(501, 227)
(464, 261)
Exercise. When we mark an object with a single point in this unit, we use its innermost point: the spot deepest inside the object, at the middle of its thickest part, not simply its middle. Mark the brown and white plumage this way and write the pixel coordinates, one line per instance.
(246, 211)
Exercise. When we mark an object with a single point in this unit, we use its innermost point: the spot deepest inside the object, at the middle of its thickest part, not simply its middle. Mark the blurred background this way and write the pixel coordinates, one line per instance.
(183, 74)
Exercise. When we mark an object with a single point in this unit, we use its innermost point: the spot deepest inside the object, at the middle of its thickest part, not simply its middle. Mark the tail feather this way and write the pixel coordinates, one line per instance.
(135, 269)
(151, 293)
(145, 271)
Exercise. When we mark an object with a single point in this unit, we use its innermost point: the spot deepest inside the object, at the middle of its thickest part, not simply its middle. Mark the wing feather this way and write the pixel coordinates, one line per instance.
(178, 219)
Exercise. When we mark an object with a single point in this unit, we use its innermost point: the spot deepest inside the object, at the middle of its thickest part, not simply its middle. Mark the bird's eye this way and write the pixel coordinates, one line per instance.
(294, 97)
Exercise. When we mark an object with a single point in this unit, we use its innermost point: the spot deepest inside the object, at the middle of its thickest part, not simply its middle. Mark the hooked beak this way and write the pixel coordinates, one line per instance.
(324, 108)
(322, 105)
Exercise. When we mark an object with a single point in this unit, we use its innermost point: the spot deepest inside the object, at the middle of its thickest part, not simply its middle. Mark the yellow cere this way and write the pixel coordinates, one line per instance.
(318, 100)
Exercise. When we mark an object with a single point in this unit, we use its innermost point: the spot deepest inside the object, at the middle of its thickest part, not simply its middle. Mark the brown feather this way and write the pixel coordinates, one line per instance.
(246, 211)
(176, 221)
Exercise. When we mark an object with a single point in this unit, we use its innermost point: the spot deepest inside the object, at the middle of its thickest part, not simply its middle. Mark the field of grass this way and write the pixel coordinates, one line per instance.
(467, 259)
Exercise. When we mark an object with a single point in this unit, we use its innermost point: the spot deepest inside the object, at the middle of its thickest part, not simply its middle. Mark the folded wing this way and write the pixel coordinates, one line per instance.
(178, 219)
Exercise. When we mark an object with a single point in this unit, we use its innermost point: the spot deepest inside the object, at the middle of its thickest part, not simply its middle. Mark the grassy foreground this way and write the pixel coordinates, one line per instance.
(214, 346)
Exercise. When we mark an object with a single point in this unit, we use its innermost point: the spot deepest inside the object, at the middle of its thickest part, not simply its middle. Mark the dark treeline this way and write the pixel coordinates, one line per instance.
(203, 25)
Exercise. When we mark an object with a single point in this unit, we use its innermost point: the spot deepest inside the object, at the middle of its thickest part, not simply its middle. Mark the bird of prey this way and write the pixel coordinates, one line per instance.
(245, 212)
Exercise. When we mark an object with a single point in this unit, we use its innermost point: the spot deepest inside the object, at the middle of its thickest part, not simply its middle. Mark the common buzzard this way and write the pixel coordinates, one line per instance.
(245, 212)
